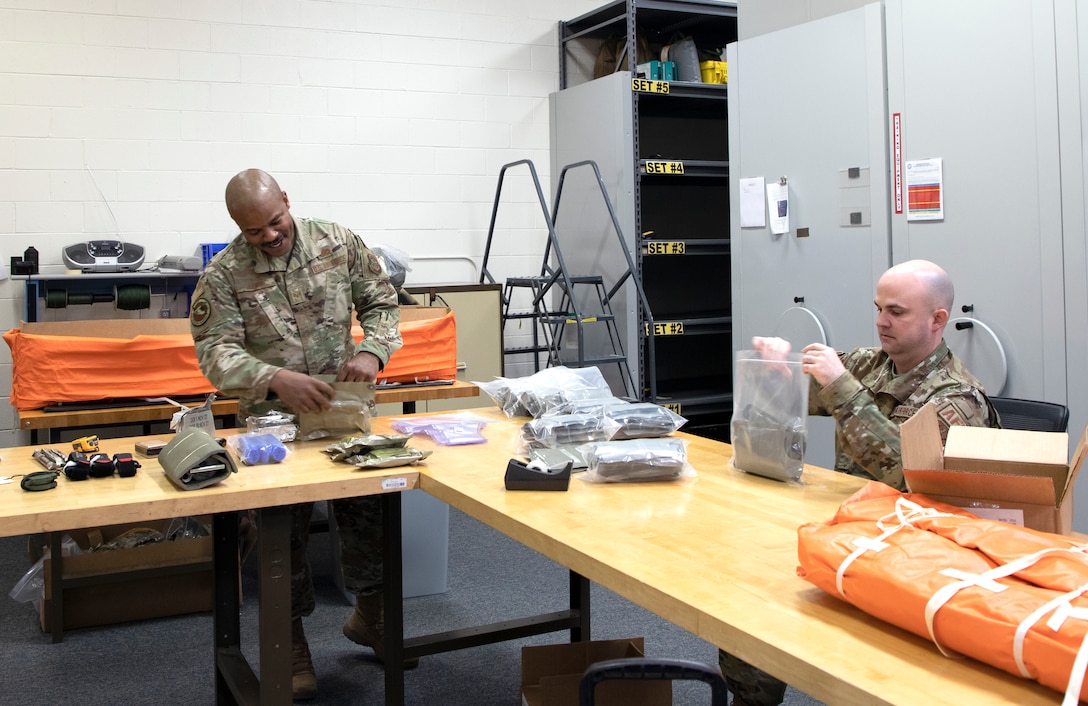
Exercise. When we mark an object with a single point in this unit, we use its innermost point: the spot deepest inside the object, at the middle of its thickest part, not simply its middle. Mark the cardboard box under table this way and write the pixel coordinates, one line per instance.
(551, 674)
(1011, 475)
(121, 585)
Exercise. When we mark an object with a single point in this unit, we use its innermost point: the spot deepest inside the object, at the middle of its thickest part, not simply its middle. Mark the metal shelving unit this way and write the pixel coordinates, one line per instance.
(664, 152)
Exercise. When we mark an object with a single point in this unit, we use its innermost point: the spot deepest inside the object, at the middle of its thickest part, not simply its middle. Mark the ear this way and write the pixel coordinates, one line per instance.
(286, 202)
(940, 318)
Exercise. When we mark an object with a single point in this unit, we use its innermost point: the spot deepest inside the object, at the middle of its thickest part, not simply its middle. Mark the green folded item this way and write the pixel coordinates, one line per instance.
(193, 459)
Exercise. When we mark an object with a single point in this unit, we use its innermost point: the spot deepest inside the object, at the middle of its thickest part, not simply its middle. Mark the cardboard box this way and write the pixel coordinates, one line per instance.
(550, 675)
(180, 580)
(108, 328)
(1010, 475)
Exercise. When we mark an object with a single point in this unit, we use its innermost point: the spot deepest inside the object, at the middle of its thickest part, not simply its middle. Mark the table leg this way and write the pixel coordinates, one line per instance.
(56, 579)
(393, 591)
(235, 682)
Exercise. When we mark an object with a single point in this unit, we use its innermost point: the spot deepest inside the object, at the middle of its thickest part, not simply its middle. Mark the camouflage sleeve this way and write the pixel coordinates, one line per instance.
(871, 439)
(375, 301)
(219, 335)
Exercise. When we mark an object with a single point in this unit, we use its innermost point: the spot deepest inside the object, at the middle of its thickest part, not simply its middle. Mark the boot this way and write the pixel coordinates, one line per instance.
(303, 679)
(366, 627)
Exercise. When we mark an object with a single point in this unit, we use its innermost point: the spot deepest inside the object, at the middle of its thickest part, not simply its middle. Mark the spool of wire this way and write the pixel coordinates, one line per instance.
(133, 297)
(56, 298)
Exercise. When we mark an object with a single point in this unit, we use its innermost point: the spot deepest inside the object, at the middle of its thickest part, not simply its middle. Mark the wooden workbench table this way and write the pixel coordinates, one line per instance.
(37, 420)
(717, 555)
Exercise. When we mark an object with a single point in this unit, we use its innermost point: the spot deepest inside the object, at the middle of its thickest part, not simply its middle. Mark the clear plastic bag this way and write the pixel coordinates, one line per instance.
(455, 429)
(770, 407)
(636, 460)
(563, 429)
(31, 587)
(643, 420)
(547, 392)
(255, 449)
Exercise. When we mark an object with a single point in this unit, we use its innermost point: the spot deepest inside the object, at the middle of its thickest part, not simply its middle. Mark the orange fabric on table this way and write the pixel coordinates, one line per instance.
(429, 351)
(47, 369)
(967, 583)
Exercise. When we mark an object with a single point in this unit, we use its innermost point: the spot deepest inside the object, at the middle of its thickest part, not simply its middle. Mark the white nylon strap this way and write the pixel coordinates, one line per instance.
(945, 594)
(906, 512)
(1076, 675)
(1027, 623)
(863, 544)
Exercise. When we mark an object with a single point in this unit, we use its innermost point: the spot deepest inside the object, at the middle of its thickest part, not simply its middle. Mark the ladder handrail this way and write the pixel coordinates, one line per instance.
(651, 369)
(484, 272)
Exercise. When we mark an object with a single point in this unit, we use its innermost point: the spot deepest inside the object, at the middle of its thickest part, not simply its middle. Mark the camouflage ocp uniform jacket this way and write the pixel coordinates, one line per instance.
(870, 401)
(253, 315)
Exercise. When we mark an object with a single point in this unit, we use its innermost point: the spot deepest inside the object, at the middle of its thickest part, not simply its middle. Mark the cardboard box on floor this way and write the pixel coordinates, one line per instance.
(175, 578)
(1004, 474)
(550, 675)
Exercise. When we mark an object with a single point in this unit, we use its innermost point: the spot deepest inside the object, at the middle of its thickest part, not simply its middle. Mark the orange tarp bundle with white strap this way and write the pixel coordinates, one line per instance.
(89, 361)
(1005, 595)
(47, 369)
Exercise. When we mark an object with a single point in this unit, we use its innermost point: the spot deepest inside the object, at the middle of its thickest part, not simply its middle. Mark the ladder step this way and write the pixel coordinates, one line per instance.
(570, 320)
(532, 315)
(530, 281)
(514, 350)
(602, 360)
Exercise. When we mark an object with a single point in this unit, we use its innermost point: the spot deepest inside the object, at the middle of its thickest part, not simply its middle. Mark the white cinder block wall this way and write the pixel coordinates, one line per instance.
(126, 118)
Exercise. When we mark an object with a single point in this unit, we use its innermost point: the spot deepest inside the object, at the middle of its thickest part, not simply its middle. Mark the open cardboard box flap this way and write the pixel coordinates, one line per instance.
(1008, 466)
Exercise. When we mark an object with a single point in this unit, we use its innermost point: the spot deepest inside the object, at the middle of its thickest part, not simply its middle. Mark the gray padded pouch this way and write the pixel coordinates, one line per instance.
(190, 451)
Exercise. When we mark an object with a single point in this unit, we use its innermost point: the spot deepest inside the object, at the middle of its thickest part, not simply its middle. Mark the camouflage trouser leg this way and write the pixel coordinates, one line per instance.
(359, 522)
(753, 687)
(302, 582)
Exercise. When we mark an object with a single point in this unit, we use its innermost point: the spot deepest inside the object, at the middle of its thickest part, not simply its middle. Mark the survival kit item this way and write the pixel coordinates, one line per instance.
(150, 447)
(39, 480)
(255, 449)
(376, 451)
(86, 444)
(194, 459)
(536, 476)
(50, 459)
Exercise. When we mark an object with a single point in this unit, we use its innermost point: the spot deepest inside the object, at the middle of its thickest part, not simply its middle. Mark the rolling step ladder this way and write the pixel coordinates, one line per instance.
(560, 307)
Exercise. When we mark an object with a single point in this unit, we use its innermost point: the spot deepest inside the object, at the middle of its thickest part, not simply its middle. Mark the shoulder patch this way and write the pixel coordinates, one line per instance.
(373, 263)
(200, 312)
(950, 414)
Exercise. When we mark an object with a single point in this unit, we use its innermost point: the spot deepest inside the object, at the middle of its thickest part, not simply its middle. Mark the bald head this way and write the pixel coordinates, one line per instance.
(249, 187)
(262, 211)
(930, 278)
(913, 301)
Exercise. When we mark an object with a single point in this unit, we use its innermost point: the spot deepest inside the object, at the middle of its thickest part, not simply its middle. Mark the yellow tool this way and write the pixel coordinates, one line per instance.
(86, 444)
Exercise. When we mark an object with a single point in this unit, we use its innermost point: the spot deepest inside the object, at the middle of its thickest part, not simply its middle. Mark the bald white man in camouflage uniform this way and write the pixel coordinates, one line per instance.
(870, 392)
(272, 310)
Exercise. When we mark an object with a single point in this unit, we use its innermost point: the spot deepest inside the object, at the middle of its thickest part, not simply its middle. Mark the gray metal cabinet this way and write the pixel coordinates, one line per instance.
(663, 154)
(994, 91)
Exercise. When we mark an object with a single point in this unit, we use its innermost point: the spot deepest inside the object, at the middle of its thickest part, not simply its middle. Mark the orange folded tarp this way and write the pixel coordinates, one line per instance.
(1008, 596)
(430, 346)
(47, 369)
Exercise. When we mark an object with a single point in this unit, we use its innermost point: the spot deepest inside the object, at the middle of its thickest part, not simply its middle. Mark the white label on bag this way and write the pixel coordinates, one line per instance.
(999, 514)
(394, 483)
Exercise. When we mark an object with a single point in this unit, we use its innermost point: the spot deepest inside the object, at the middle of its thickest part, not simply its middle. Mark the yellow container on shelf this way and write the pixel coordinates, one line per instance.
(714, 71)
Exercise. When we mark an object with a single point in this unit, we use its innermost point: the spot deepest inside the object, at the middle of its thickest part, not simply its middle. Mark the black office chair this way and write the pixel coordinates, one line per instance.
(1031, 415)
(653, 669)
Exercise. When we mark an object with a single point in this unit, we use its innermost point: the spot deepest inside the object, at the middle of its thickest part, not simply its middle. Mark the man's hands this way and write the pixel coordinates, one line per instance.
(817, 360)
(363, 367)
(822, 363)
(306, 394)
(302, 393)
